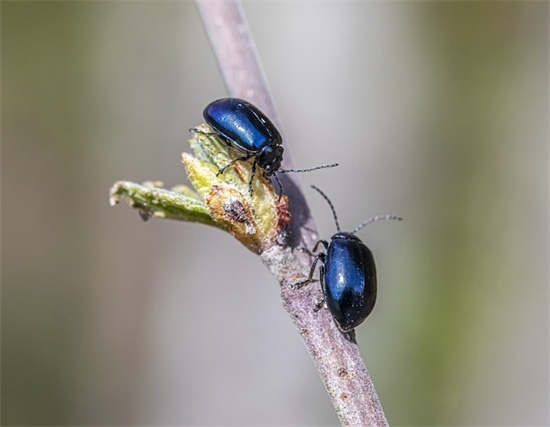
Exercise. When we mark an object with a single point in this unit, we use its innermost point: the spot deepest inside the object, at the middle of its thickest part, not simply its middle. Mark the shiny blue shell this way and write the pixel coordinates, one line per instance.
(242, 124)
(349, 280)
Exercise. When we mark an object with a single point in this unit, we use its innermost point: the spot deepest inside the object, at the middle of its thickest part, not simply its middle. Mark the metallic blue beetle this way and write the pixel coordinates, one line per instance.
(348, 277)
(246, 128)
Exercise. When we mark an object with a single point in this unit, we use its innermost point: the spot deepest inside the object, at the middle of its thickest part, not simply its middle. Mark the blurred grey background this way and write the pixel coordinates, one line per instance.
(436, 111)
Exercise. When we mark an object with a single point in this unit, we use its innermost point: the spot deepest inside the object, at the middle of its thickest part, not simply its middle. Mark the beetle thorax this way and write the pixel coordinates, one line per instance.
(346, 236)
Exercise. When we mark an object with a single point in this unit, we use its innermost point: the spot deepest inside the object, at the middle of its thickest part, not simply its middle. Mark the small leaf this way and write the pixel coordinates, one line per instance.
(160, 203)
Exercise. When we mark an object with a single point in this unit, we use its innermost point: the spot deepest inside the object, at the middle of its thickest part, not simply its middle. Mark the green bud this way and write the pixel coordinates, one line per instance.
(220, 200)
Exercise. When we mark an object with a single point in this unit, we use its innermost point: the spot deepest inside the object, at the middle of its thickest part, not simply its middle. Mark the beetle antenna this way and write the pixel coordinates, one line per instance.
(376, 218)
(331, 206)
(307, 169)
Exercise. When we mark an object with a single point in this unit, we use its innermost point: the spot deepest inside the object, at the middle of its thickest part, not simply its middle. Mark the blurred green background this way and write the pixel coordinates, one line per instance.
(436, 111)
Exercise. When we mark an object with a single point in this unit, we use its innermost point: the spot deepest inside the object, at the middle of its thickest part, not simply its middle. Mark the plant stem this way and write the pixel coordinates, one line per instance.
(338, 359)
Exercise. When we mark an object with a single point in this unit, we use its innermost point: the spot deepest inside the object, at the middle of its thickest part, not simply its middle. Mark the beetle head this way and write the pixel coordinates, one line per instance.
(269, 159)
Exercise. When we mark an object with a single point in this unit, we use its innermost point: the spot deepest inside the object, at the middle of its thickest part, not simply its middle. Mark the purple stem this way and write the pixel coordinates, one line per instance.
(338, 359)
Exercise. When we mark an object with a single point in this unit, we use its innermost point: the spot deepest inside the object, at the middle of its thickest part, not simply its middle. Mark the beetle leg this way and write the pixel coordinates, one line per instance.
(320, 303)
(310, 279)
(232, 162)
(279, 185)
(312, 252)
(323, 242)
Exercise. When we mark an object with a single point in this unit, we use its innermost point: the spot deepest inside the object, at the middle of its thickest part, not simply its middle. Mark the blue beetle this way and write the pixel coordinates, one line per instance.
(245, 127)
(348, 276)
